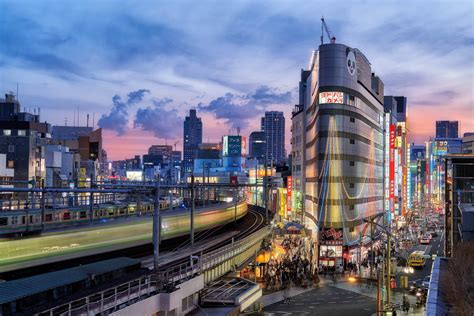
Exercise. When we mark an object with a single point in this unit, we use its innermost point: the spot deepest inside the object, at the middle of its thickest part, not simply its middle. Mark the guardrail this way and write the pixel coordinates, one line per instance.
(164, 280)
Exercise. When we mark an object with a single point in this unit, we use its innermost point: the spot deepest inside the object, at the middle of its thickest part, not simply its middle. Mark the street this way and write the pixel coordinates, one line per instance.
(435, 247)
(326, 300)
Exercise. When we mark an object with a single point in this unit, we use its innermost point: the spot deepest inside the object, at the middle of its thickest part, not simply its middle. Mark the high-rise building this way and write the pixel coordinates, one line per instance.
(297, 162)
(468, 143)
(447, 129)
(192, 139)
(344, 148)
(257, 146)
(273, 125)
(22, 139)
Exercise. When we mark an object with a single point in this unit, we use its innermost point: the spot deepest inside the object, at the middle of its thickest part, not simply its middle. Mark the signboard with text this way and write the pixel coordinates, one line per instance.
(289, 188)
(392, 166)
(331, 97)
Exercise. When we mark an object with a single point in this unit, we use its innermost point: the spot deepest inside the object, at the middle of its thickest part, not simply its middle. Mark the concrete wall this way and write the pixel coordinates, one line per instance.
(165, 304)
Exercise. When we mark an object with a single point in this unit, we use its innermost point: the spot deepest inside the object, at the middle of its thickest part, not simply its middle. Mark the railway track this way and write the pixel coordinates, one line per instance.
(253, 221)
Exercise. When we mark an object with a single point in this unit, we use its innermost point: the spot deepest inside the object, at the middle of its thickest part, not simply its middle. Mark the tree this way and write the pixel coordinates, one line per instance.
(457, 281)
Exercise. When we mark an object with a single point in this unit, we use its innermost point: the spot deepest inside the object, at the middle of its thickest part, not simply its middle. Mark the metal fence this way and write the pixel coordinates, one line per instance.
(165, 280)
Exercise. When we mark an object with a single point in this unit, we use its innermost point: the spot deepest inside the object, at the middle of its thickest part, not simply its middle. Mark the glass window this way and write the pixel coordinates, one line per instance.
(21, 132)
(7, 132)
(11, 148)
(10, 164)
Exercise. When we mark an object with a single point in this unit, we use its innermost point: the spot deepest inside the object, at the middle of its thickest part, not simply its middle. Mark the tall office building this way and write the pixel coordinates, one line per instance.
(192, 139)
(447, 129)
(344, 141)
(257, 145)
(273, 124)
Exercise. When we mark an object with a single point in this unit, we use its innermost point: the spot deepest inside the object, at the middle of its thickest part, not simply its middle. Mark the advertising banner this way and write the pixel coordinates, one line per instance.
(289, 188)
(392, 161)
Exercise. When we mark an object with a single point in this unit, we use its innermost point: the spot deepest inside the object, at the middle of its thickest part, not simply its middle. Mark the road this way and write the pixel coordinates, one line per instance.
(326, 300)
(435, 247)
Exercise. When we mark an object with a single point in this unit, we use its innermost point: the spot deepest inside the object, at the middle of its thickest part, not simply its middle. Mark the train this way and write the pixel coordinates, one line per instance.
(28, 221)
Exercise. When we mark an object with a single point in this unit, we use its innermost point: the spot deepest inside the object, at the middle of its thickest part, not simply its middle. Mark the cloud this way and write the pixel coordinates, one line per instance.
(136, 96)
(163, 123)
(117, 119)
(238, 111)
(266, 95)
(161, 102)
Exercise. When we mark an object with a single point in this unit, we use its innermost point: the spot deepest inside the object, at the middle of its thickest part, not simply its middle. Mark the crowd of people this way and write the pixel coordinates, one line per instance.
(294, 267)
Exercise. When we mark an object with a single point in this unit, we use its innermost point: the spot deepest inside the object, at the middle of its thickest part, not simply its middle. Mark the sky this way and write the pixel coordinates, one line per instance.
(137, 67)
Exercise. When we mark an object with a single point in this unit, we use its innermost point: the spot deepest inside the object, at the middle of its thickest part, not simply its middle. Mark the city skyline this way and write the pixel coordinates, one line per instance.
(143, 63)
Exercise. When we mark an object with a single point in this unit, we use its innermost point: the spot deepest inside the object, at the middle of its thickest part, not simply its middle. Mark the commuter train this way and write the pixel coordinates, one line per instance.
(29, 221)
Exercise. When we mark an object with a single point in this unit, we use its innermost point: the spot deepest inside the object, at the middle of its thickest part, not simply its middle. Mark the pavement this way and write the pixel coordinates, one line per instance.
(328, 298)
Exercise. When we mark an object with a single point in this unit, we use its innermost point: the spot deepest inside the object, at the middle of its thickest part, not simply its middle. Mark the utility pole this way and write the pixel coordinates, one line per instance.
(371, 248)
(265, 202)
(156, 225)
(192, 209)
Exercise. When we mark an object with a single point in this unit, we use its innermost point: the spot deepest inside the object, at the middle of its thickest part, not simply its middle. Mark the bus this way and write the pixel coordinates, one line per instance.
(416, 259)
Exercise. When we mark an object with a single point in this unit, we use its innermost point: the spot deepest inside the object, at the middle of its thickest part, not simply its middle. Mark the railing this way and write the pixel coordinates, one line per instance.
(164, 280)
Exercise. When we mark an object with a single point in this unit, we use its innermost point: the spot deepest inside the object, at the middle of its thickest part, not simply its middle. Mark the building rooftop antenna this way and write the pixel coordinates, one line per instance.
(324, 27)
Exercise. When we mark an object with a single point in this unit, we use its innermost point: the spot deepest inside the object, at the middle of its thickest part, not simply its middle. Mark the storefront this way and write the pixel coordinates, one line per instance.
(330, 247)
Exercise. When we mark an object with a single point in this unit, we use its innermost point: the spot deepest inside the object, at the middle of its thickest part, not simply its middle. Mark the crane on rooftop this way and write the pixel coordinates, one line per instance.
(324, 27)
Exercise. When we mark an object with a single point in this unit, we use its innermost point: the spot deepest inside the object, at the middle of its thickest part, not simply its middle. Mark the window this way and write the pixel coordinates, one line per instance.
(351, 163)
(352, 141)
(7, 132)
(10, 164)
(352, 119)
(11, 148)
(21, 132)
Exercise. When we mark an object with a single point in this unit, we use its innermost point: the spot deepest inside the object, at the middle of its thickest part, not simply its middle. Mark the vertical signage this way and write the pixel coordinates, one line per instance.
(289, 187)
(392, 166)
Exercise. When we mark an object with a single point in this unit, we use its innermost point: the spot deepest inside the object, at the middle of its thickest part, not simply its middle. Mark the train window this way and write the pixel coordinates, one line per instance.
(14, 220)
(31, 219)
(66, 216)
(3, 221)
(48, 217)
(82, 214)
(23, 220)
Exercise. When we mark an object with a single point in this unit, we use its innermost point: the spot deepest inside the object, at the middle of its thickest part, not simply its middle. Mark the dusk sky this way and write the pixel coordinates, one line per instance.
(139, 66)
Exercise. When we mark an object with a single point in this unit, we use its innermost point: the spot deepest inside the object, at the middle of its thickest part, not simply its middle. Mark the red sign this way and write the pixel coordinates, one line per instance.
(331, 97)
(289, 189)
(233, 180)
(392, 166)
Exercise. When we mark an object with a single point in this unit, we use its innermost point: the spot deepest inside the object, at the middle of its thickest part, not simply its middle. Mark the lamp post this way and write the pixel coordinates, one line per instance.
(389, 237)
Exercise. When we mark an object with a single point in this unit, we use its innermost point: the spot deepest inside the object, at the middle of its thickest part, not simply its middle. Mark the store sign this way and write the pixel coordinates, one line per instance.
(232, 146)
(331, 236)
(289, 188)
(261, 173)
(392, 162)
(331, 97)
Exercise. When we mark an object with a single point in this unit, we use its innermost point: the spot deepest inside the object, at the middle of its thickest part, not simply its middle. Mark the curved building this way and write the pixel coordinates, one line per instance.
(344, 146)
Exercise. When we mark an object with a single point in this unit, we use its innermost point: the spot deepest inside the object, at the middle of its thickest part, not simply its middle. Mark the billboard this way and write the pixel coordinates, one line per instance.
(289, 188)
(331, 97)
(232, 146)
(135, 175)
(392, 166)
(331, 236)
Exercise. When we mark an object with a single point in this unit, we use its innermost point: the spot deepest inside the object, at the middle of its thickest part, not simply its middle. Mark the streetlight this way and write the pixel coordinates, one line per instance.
(389, 236)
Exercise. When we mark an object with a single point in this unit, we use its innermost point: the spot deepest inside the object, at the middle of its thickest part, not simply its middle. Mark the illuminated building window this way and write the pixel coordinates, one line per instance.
(10, 164)
(352, 141)
(352, 119)
(351, 163)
